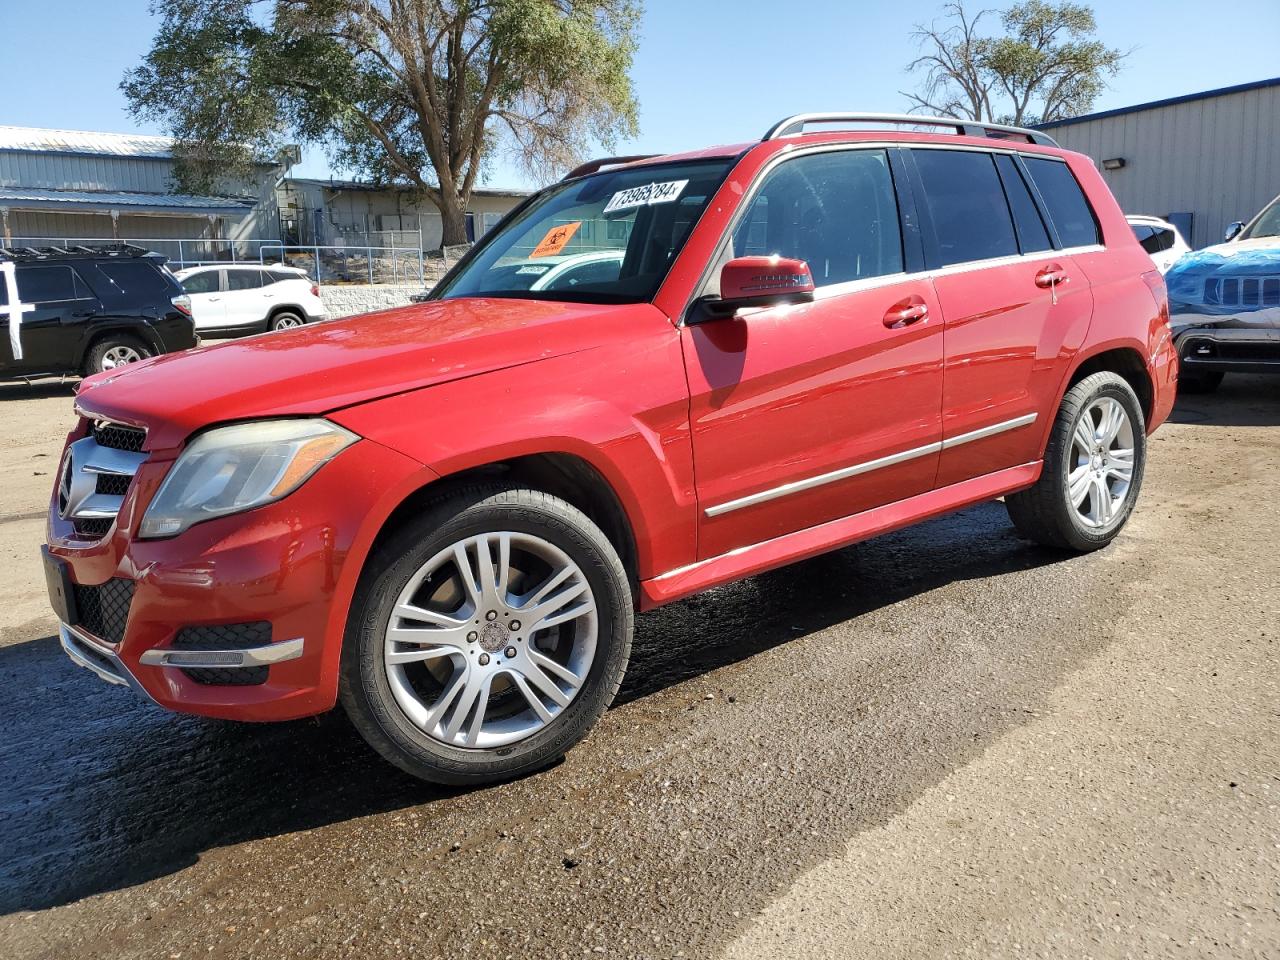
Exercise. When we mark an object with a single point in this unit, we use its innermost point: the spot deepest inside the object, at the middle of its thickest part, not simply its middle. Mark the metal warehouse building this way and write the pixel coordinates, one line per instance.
(73, 184)
(1202, 160)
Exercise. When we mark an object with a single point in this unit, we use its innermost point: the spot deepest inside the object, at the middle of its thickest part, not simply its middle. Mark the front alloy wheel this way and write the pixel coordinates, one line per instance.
(491, 639)
(487, 636)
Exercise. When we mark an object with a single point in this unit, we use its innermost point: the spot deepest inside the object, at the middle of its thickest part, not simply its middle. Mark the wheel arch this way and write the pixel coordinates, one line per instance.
(100, 332)
(1123, 359)
(564, 475)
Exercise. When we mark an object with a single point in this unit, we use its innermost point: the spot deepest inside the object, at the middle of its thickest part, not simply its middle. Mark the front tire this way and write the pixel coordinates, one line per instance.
(1093, 468)
(487, 637)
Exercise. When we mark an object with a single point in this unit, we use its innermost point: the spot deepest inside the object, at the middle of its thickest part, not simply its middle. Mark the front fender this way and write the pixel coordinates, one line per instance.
(621, 407)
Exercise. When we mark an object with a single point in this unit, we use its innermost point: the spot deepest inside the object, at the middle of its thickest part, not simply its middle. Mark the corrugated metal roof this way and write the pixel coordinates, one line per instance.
(90, 200)
(1151, 105)
(40, 140)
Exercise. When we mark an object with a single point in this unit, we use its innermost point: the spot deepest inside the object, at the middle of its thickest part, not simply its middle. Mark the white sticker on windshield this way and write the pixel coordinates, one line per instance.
(647, 195)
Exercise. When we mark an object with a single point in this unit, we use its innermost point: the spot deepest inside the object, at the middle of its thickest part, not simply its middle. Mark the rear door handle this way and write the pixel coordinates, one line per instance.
(906, 312)
(1050, 277)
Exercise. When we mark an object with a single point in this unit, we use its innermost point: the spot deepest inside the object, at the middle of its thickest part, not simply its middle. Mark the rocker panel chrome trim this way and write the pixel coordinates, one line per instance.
(844, 473)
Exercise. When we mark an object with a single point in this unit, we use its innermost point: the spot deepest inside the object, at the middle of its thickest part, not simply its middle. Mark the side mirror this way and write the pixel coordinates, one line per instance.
(1233, 229)
(760, 282)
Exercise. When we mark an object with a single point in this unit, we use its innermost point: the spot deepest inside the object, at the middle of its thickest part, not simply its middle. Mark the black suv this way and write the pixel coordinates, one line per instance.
(87, 309)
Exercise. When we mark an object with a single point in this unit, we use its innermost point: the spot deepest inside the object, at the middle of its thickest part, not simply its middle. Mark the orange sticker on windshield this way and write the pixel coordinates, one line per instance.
(555, 239)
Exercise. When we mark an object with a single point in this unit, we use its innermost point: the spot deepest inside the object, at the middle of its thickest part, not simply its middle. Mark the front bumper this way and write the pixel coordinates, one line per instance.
(292, 565)
(1228, 349)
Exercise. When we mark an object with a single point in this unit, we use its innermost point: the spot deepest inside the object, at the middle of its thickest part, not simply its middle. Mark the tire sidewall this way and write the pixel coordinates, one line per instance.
(367, 691)
(275, 320)
(1116, 388)
(99, 350)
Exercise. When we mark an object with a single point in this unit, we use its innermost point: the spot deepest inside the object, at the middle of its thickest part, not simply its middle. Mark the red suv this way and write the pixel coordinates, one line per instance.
(656, 376)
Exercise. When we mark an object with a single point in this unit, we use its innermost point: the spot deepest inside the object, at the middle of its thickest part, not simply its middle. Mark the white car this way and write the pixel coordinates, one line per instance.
(1160, 239)
(233, 300)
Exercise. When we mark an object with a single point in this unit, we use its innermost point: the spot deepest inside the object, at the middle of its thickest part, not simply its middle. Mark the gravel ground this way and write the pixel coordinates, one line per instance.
(944, 742)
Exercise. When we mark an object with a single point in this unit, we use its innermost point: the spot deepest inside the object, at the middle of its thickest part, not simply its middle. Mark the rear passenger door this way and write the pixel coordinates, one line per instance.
(1013, 301)
(245, 301)
(814, 411)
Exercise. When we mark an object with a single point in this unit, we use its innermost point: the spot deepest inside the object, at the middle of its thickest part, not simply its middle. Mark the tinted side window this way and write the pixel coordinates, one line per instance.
(966, 201)
(244, 279)
(836, 211)
(1161, 240)
(279, 276)
(45, 284)
(136, 280)
(1032, 235)
(204, 282)
(1067, 205)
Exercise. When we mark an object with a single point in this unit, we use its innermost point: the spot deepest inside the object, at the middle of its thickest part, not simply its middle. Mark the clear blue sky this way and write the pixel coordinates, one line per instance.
(705, 72)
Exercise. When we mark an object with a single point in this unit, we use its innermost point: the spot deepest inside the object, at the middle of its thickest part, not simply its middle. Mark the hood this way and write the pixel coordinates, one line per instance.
(1237, 281)
(322, 367)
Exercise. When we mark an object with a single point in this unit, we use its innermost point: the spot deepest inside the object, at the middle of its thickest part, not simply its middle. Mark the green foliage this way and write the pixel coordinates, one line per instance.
(1046, 65)
(421, 92)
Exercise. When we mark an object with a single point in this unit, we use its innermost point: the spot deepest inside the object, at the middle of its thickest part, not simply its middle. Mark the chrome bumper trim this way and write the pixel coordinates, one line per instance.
(85, 651)
(227, 659)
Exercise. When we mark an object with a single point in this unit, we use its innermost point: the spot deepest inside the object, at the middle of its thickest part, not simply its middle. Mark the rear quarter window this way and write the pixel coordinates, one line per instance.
(1068, 207)
(137, 280)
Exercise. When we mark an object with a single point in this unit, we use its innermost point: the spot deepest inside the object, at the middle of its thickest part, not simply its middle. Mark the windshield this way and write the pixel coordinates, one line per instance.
(1267, 224)
(608, 238)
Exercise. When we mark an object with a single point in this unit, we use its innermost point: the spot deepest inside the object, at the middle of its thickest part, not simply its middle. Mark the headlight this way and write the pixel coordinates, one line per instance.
(239, 467)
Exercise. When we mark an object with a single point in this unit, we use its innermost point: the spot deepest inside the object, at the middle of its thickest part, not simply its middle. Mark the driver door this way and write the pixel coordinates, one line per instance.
(810, 412)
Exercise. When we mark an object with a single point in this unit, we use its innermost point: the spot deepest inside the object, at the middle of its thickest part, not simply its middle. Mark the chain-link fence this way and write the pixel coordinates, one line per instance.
(337, 264)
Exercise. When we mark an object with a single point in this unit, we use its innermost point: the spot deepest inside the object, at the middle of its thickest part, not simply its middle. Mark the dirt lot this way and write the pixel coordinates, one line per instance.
(944, 742)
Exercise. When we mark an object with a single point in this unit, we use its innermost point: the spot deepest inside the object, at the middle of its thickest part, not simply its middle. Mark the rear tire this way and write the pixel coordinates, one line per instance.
(443, 679)
(1199, 382)
(287, 319)
(1093, 467)
(114, 350)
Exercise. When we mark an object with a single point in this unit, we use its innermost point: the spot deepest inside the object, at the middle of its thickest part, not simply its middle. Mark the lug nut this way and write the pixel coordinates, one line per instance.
(511, 652)
(514, 625)
(491, 615)
(484, 659)
(472, 637)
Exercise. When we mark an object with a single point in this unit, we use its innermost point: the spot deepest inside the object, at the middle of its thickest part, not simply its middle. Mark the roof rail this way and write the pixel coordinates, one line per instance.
(792, 126)
(591, 166)
(79, 250)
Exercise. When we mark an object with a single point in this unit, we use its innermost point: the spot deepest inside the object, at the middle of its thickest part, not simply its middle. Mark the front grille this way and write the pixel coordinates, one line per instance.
(103, 610)
(112, 484)
(117, 436)
(1243, 291)
(227, 636)
(95, 476)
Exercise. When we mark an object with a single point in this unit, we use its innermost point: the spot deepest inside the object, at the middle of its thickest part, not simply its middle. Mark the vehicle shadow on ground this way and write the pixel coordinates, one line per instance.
(102, 791)
(38, 390)
(1241, 401)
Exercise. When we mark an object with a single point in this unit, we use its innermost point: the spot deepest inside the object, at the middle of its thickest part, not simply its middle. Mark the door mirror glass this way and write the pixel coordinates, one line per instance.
(1233, 229)
(762, 282)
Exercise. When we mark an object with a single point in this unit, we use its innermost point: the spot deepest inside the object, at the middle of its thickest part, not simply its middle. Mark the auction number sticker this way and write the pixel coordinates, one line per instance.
(646, 195)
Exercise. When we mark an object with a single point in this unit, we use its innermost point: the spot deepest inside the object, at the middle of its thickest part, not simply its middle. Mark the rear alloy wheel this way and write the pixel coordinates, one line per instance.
(113, 351)
(287, 319)
(490, 635)
(1092, 471)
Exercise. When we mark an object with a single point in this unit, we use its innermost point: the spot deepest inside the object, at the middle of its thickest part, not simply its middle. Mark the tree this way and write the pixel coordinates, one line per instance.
(1046, 66)
(419, 92)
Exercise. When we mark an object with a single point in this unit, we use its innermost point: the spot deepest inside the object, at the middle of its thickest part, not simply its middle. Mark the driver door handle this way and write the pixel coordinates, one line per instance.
(1051, 276)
